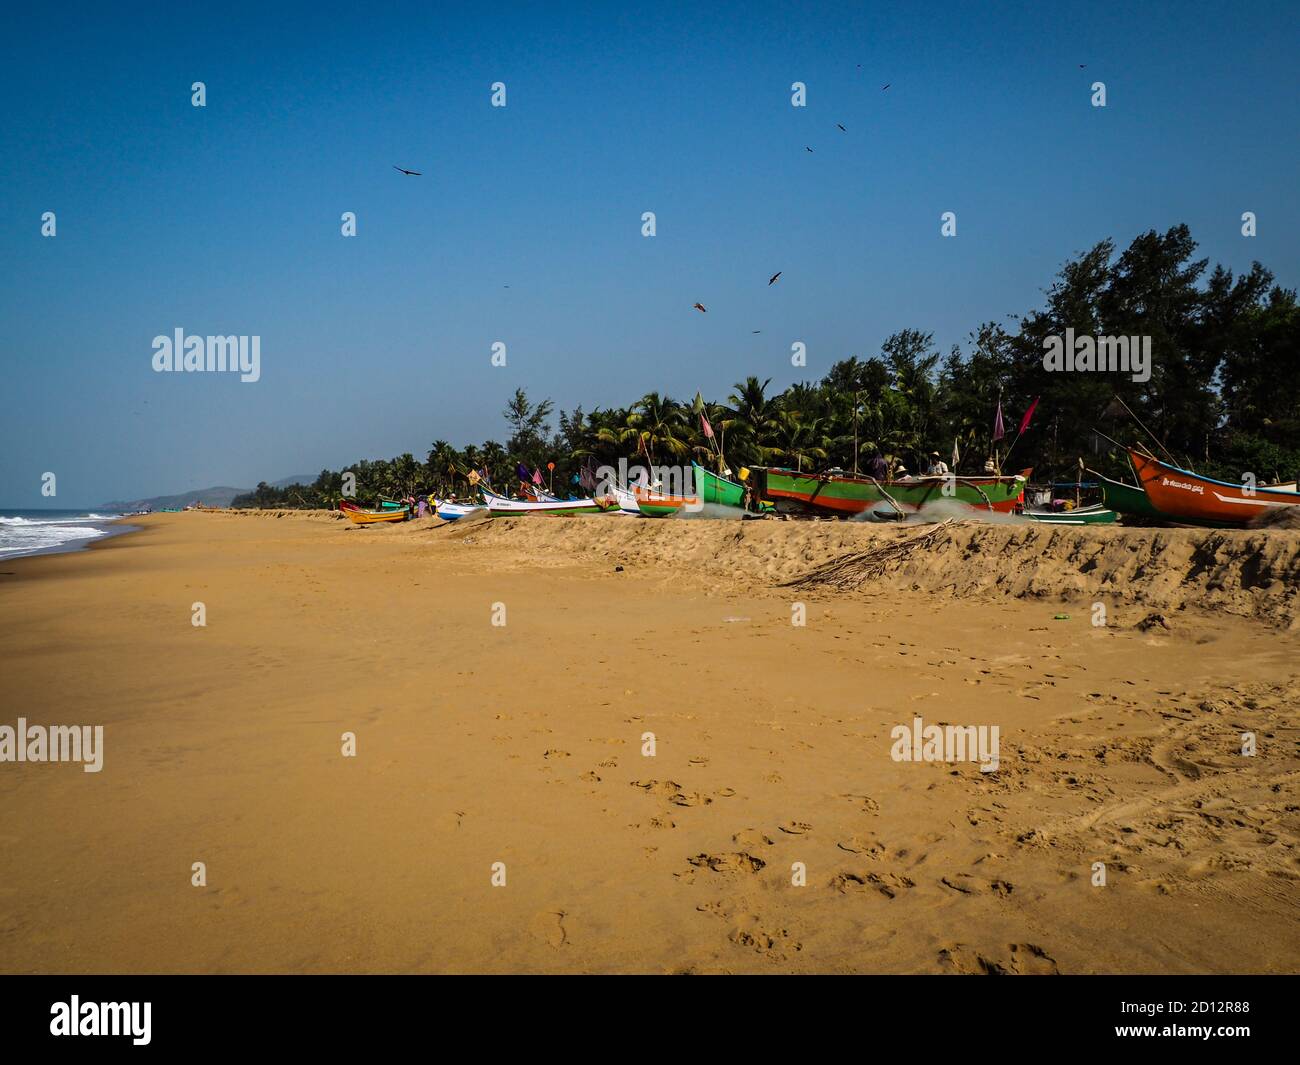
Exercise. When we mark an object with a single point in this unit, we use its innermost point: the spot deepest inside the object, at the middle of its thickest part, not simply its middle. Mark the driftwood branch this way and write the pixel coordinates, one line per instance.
(856, 568)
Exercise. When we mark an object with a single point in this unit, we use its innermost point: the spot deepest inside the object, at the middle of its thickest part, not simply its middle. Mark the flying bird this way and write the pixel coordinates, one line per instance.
(772, 280)
(806, 148)
(1083, 66)
(756, 332)
(408, 173)
(701, 308)
(841, 128)
(885, 86)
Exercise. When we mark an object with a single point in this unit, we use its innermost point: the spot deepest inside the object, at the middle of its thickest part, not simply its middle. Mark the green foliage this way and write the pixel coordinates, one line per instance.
(1222, 394)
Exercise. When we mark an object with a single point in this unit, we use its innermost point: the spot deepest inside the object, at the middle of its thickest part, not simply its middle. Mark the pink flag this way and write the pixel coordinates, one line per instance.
(1024, 422)
(537, 476)
(708, 429)
(998, 431)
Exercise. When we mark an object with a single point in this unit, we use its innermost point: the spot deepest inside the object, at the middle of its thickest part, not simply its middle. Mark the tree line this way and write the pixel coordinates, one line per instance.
(1221, 398)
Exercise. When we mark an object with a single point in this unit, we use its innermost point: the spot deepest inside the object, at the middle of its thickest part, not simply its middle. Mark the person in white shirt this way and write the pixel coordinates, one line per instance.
(937, 467)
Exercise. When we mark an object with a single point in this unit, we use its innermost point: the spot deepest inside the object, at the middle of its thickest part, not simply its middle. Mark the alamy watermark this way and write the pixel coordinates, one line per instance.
(920, 742)
(53, 743)
(194, 354)
(675, 481)
(1104, 354)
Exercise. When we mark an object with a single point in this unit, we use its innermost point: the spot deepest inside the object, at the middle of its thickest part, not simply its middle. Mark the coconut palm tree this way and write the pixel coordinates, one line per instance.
(800, 439)
(753, 419)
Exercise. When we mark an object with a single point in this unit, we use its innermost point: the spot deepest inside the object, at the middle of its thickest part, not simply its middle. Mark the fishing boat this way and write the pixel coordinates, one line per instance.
(455, 511)
(1130, 500)
(1185, 496)
(624, 500)
(359, 516)
(1097, 514)
(657, 505)
(846, 494)
(503, 507)
(712, 488)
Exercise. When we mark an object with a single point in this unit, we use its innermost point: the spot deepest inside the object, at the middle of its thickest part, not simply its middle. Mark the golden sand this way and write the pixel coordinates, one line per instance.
(522, 744)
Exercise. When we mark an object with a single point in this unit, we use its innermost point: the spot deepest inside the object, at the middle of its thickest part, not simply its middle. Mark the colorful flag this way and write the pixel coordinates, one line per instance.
(998, 431)
(1024, 422)
(522, 470)
(956, 455)
(537, 476)
(472, 477)
(708, 429)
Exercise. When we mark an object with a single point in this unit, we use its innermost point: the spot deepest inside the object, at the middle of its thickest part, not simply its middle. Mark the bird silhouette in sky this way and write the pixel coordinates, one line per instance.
(408, 173)
(885, 86)
(700, 307)
(772, 280)
(756, 331)
(806, 148)
(841, 128)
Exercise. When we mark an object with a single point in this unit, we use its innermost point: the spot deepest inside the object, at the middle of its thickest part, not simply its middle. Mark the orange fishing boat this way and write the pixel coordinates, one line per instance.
(1186, 496)
(356, 514)
(658, 505)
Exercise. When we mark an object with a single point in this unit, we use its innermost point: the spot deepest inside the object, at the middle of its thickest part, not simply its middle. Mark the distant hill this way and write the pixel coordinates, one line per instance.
(209, 497)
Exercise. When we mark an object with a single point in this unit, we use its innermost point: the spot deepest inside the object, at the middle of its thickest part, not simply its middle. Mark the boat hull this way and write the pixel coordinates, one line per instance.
(656, 505)
(847, 495)
(712, 488)
(1095, 515)
(501, 507)
(456, 511)
(1187, 496)
(358, 516)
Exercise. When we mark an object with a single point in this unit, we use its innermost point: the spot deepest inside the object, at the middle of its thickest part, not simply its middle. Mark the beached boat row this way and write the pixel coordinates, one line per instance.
(1164, 493)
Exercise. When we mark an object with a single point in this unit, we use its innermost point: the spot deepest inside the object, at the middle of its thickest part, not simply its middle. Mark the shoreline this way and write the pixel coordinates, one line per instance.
(111, 528)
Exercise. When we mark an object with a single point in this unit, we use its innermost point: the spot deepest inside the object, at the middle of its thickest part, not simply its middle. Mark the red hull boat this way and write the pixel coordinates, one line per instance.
(1187, 496)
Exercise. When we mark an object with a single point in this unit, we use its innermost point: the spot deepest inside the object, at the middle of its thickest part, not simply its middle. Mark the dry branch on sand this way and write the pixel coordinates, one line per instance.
(857, 567)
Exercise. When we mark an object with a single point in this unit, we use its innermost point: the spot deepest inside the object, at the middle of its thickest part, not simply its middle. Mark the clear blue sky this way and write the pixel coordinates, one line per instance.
(225, 219)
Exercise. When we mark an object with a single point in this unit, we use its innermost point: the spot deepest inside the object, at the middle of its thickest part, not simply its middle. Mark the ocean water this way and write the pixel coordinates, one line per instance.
(34, 532)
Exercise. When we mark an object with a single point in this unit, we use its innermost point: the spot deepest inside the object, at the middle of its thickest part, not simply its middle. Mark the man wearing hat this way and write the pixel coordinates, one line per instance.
(937, 467)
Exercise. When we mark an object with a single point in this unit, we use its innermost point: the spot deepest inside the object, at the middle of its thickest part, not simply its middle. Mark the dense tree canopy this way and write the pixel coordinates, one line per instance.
(1225, 376)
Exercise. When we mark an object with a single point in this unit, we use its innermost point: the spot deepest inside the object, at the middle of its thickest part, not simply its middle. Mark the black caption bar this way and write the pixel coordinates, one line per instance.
(144, 1014)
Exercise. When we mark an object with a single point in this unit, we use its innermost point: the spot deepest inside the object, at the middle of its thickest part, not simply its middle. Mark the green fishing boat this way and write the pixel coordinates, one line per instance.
(712, 488)
(845, 494)
(1094, 515)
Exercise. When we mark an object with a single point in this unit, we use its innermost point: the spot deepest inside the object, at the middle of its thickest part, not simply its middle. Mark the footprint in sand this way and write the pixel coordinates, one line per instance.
(776, 941)
(795, 828)
(730, 864)
(590, 777)
(556, 754)
(969, 885)
(752, 837)
(888, 884)
(865, 801)
(1024, 959)
(671, 791)
(549, 926)
(871, 848)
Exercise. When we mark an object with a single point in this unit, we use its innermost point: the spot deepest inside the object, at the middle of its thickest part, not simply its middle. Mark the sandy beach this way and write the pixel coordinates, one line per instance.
(524, 743)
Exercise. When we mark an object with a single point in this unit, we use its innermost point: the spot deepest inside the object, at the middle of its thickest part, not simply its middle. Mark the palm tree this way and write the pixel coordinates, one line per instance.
(800, 438)
(754, 417)
(442, 464)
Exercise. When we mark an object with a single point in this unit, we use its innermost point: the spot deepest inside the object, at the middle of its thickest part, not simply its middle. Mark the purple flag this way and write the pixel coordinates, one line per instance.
(998, 431)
